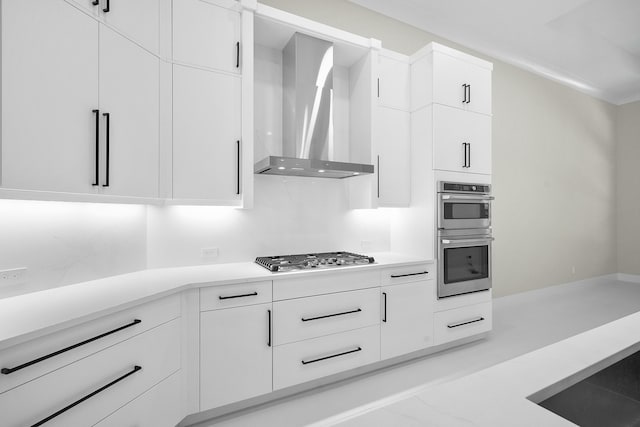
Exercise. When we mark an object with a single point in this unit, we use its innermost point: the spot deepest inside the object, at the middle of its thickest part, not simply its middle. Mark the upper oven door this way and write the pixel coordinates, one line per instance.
(463, 211)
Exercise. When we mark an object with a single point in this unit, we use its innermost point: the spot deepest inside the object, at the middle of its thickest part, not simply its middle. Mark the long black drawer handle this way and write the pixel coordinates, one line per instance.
(107, 118)
(88, 396)
(237, 54)
(96, 182)
(238, 167)
(308, 319)
(306, 362)
(108, 8)
(7, 371)
(252, 294)
(395, 276)
(455, 325)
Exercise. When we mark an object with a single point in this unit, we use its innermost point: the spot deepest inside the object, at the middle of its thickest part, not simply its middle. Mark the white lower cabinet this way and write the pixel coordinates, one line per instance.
(316, 358)
(85, 392)
(407, 318)
(235, 354)
(156, 408)
(463, 322)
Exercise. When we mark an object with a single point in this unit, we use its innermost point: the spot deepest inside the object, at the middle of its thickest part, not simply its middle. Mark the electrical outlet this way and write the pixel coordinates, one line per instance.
(210, 253)
(15, 276)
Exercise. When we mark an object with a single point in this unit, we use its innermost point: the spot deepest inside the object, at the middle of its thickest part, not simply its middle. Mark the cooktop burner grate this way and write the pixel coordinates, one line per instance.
(310, 261)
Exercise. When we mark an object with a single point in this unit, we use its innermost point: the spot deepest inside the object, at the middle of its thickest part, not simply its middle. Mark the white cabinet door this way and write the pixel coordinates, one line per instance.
(206, 35)
(129, 93)
(462, 140)
(206, 135)
(89, 6)
(393, 84)
(235, 354)
(49, 89)
(450, 75)
(137, 19)
(393, 138)
(407, 318)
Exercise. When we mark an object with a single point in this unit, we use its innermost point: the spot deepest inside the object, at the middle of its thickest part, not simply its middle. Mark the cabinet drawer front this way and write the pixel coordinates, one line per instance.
(412, 273)
(304, 318)
(96, 335)
(462, 322)
(158, 407)
(227, 296)
(324, 283)
(112, 371)
(307, 360)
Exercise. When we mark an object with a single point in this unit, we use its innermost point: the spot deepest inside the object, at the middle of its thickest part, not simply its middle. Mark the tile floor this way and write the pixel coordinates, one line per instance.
(522, 323)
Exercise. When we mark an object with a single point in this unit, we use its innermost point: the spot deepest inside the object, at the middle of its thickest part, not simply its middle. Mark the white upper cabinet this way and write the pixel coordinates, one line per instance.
(461, 84)
(129, 95)
(49, 89)
(206, 136)
(461, 140)
(394, 81)
(85, 120)
(393, 168)
(139, 20)
(207, 35)
(446, 76)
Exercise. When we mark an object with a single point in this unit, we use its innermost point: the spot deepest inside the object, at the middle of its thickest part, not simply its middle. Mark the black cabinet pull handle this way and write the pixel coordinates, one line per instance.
(464, 150)
(269, 322)
(7, 371)
(378, 177)
(108, 8)
(469, 154)
(464, 93)
(468, 97)
(96, 182)
(252, 294)
(88, 396)
(238, 167)
(395, 276)
(95, 2)
(308, 319)
(237, 54)
(306, 362)
(384, 319)
(455, 325)
(107, 117)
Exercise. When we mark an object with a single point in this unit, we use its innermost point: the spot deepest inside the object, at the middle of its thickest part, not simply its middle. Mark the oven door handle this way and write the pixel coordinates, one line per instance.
(465, 197)
(465, 241)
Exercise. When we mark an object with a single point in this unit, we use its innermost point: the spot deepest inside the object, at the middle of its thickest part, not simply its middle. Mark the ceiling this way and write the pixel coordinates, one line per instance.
(591, 45)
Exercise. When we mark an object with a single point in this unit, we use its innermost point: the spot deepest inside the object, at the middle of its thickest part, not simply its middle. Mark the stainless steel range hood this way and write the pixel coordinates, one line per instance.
(307, 127)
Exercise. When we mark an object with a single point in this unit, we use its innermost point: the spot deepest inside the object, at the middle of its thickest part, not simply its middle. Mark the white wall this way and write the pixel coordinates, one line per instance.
(62, 243)
(290, 215)
(628, 167)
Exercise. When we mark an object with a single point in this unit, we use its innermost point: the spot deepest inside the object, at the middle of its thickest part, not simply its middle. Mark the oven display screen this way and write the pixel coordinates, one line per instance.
(466, 210)
(462, 264)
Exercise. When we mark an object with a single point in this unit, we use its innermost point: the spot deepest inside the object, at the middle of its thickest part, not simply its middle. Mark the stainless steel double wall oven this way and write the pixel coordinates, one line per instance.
(464, 238)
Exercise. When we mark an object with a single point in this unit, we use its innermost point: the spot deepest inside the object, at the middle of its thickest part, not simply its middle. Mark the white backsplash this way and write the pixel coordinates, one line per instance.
(291, 215)
(62, 243)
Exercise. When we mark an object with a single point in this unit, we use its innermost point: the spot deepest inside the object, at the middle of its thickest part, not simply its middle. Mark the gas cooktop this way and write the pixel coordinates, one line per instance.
(310, 261)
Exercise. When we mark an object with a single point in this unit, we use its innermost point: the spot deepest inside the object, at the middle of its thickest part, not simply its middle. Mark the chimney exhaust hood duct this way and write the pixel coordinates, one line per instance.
(307, 127)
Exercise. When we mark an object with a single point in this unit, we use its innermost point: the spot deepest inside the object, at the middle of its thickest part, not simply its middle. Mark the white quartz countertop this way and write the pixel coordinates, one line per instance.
(497, 396)
(29, 316)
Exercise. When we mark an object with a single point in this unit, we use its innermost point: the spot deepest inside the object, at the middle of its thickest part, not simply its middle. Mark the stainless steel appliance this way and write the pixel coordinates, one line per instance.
(307, 112)
(464, 238)
(310, 261)
(464, 206)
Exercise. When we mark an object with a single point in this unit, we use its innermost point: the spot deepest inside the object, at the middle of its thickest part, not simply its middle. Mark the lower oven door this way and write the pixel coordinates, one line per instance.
(464, 264)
